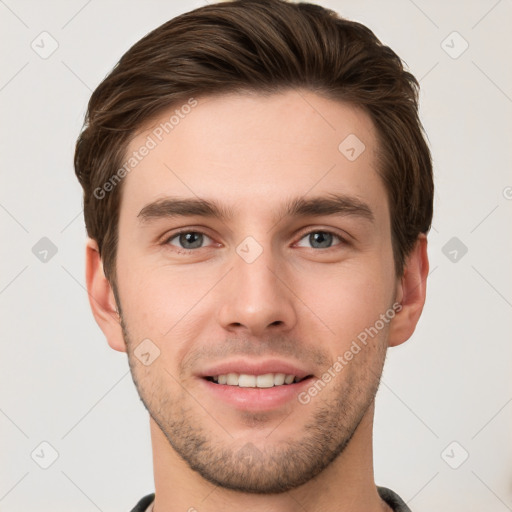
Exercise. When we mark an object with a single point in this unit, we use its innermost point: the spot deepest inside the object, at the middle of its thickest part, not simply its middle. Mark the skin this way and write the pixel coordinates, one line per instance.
(297, 301)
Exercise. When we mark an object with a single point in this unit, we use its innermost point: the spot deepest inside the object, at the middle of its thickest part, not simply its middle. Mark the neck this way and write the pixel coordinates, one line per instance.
(346, 484)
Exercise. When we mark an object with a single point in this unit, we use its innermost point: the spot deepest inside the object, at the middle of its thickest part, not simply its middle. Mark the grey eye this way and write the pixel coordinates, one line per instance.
(320, 239)
(188, 240)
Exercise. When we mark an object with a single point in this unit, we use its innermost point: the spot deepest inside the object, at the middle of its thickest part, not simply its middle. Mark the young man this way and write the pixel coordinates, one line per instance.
(257, 194)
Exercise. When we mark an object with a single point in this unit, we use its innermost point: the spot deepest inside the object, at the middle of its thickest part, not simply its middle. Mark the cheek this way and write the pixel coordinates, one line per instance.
(168, 306)
(153, 297)
(346, 301)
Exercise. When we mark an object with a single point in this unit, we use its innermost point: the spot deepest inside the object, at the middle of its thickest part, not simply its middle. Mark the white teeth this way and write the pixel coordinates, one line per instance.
(247, 381)
(279, 379)
(265, 381)
(244, 380)
(232, 379)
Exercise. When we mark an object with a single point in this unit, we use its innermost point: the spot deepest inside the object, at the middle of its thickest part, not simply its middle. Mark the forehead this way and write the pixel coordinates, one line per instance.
(249, 149)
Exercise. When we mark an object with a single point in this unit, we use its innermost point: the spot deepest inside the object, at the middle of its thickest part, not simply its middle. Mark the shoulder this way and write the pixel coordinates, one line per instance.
(393, 500)
(144, 503)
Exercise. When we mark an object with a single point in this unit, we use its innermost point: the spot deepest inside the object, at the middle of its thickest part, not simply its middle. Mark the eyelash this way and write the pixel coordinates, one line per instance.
(182, 250)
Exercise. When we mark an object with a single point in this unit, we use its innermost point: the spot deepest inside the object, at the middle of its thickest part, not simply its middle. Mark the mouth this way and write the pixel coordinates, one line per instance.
(247, 392)
(251, 385)
(266, 380)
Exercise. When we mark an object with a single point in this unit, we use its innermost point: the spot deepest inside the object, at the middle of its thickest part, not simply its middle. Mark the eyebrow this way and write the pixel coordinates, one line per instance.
(332, 204)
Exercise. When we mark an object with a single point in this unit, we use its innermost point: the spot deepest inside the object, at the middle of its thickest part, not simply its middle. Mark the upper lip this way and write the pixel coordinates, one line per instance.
(255, 367)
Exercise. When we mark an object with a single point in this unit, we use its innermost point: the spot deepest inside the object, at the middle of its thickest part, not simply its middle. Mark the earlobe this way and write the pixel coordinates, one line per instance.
(411, 292)
(101, 298)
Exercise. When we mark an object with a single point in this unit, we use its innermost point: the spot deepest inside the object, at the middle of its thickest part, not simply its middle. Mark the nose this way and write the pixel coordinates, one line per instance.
(257, 296)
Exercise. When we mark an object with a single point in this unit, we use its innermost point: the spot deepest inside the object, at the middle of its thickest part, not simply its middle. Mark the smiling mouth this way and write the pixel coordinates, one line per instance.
(267, 380)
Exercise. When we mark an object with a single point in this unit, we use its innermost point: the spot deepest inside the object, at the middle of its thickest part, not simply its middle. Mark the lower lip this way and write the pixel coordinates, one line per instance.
(256, 399)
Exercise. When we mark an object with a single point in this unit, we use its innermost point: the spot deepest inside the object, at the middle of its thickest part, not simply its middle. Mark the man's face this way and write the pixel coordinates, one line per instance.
(261, 292)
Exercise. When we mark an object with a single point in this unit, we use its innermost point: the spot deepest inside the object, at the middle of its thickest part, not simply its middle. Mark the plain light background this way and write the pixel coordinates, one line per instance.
(445, 394)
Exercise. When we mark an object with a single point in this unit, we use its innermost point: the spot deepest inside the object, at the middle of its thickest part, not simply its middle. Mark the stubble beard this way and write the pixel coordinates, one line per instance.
(240, 465)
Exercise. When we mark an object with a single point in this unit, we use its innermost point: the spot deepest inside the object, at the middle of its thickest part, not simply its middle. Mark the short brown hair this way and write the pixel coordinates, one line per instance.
(266, 46)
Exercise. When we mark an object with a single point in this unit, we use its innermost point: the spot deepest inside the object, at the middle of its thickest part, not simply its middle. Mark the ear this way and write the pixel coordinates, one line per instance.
(410, 293)
(101, 298)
